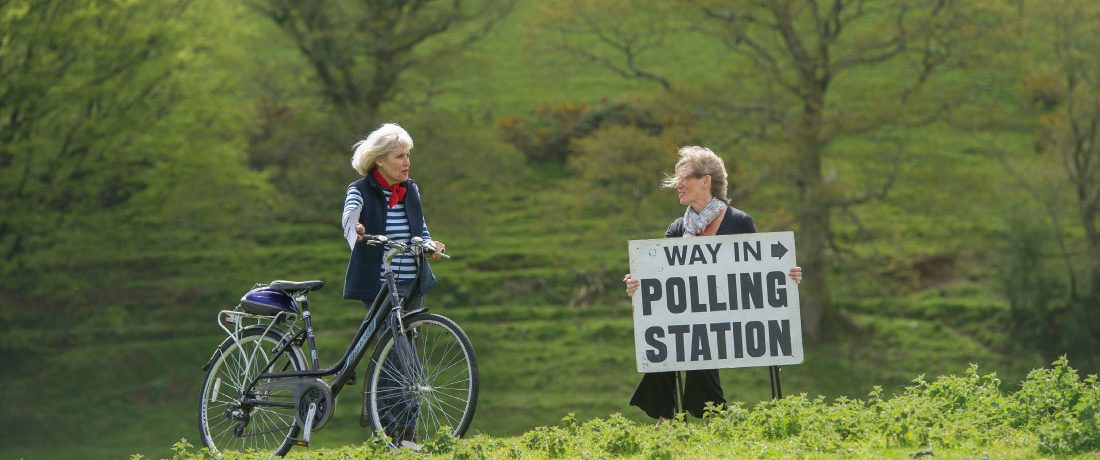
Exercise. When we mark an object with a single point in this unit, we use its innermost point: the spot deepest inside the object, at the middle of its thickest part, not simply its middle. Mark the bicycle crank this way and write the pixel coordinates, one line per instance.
(305, 392)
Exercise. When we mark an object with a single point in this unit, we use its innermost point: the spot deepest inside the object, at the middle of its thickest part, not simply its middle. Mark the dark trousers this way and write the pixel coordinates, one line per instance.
(397, 408)
(656, 393)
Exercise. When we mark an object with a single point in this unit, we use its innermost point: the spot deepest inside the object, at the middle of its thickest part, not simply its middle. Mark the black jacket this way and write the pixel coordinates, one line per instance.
(362, 281)
(735, 222)
(656, 393)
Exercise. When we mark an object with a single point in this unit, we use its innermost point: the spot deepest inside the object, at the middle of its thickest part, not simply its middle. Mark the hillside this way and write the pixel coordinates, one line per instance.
(207, 158)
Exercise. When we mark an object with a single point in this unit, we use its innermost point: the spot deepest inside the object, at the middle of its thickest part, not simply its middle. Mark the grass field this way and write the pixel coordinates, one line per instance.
(109, 399)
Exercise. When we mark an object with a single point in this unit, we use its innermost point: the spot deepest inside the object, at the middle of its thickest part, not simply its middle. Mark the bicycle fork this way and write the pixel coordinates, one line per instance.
(405, 349)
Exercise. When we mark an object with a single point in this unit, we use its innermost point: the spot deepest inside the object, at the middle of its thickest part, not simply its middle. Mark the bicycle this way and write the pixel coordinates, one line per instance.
(261, 393)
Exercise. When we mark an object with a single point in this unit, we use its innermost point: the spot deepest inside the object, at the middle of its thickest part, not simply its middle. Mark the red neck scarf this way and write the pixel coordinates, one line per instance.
(397, 191)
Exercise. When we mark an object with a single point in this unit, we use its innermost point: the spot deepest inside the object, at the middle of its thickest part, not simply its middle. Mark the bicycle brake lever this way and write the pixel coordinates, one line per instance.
(375, 240)
(427, 248)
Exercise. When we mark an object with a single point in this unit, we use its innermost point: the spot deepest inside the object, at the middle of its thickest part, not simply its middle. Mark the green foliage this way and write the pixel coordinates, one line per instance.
(1053, 279)
(944, 412)
(182, 449)
(551, 440)
(1063, 409)
(548, 132)
(532, 360)
(1054, 413)
(1049, 310)
(116, 142)
(616, 435)
(440, 443)
(619, 168)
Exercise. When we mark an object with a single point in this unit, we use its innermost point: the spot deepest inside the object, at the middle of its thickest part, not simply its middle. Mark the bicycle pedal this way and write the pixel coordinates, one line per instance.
(301, 443)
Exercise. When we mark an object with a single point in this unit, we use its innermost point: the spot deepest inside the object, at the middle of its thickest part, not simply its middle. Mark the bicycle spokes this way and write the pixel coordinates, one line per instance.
(425, 380)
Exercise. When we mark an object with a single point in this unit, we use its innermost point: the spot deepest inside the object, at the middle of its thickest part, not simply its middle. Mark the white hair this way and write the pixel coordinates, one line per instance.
(387, 138)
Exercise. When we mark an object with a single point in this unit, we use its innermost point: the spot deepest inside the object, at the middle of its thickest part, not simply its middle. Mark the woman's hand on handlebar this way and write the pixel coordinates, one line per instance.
(437, 250)
(360, 230)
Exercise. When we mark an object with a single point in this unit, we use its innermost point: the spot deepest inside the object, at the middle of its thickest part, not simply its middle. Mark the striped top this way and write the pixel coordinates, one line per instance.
(397, 229)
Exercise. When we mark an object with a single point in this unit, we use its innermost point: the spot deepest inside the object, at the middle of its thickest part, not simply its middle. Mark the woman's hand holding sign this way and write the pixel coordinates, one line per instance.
(631, 285)
(796, 274)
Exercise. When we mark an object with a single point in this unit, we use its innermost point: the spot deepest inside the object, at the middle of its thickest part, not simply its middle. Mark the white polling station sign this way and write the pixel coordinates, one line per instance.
(714, 302)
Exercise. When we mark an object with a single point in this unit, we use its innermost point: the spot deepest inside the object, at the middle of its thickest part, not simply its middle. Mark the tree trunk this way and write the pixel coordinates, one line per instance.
(1092, 235)
(813, 219)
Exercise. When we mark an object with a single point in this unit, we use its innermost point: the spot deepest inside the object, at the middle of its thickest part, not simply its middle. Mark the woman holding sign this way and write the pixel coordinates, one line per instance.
(700, 183)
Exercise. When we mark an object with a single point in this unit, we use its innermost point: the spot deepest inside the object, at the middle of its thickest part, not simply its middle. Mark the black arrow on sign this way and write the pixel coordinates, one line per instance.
(778, 250)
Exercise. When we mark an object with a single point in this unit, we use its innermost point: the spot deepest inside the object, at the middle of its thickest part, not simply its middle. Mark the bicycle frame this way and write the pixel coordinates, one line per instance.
(387, 303)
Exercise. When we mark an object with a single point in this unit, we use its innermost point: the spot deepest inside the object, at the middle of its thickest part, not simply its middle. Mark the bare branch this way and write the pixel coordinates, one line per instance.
(737, 25)
(359, 54)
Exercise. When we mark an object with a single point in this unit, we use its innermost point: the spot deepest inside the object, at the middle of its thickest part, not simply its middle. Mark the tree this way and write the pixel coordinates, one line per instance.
(791, 55)
(1053, 313)
(359, 50)
(800, 46)
(70, 78)
(108, 140)
(1066, 91)
(613, 34)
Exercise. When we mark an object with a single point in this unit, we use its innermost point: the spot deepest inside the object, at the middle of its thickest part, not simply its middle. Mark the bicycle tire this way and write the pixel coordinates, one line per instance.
(272, 429)
(447, 391)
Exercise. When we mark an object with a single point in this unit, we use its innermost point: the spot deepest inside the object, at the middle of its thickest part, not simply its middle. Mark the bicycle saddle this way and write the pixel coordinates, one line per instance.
(296, 286)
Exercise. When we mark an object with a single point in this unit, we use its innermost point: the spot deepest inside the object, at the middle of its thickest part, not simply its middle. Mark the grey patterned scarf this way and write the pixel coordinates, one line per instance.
(696, 222)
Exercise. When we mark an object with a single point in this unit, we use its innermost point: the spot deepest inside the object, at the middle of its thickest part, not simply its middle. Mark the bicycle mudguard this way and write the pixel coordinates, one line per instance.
(411, 313)
(214, 354)
(210, 362)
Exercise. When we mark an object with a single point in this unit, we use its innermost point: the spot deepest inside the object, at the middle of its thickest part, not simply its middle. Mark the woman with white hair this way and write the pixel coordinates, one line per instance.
(700, 182)
(385, 201)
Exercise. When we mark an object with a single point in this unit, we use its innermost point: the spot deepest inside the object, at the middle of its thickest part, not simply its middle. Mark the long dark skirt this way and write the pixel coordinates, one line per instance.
(656, 393)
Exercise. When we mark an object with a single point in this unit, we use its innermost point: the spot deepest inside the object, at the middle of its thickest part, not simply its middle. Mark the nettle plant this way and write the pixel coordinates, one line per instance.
(1061, 407)
(1055, 410)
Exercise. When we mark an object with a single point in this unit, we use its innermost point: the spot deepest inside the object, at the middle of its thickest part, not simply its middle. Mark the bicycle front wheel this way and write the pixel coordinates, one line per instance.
(227, 425)
(424, 381)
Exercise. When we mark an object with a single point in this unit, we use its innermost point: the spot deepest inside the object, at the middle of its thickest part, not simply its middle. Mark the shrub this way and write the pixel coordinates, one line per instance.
(552, 440)
(545, 135)
(1055, 411)
(619, 436)
(1060, 407)
(441, 442)
(944, 412)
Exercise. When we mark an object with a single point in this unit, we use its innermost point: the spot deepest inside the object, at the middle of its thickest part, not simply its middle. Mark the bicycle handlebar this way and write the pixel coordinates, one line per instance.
(416, 245)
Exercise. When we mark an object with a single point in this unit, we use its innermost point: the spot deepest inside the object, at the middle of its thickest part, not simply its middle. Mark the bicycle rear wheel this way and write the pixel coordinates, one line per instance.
(411, 399)
(224, 425)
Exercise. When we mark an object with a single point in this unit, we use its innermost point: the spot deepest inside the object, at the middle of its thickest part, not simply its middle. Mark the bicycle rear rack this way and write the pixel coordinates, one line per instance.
(242, 320)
